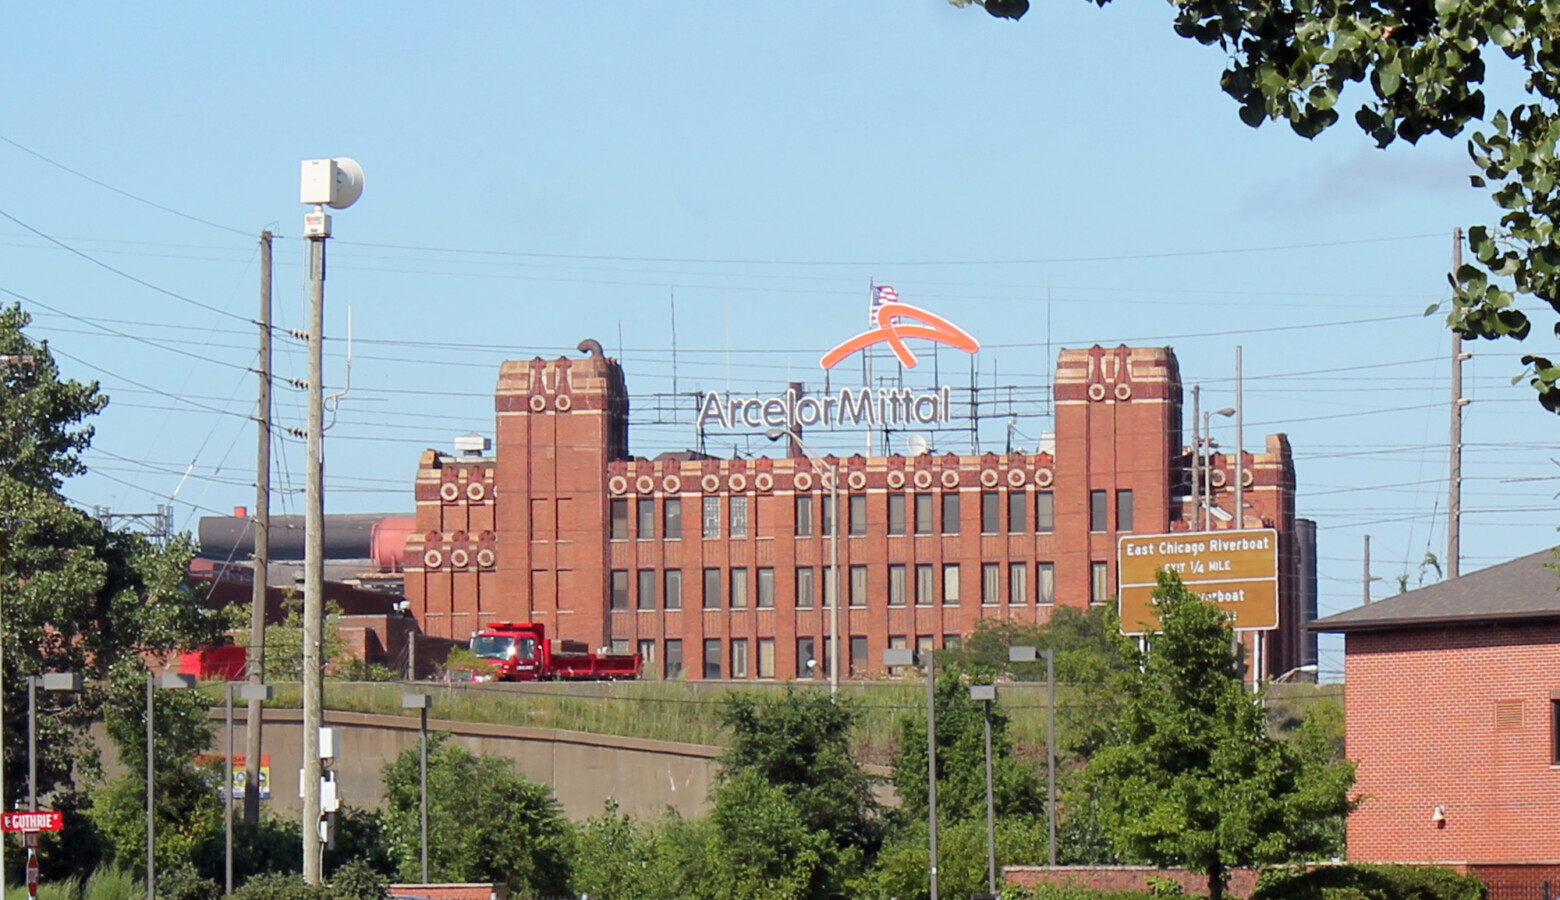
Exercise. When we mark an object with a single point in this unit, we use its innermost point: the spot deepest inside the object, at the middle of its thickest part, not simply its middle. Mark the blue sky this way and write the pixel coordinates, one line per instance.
(541, 173)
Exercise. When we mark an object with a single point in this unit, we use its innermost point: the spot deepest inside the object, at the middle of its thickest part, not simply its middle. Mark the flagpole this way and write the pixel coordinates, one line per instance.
(866, 358)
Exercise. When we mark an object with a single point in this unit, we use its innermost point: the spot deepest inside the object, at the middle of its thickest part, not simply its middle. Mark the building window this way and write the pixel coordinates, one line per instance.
(896, 513)
(711, 518)
(858, 585)
(804, 587)
(859, 660)
(647, 656)
(1045, 582)
(712, 656)
(804, 516)
(674, 588)
(712, 589)
(619, 519)
(1018, 582)
(950, 513)
(766, 588)
(923, 514)
(1045, 512)
(925, 584)
(991, 583)
(1099, 582)
(896, 585)
(739, 517)
(1018, 512)
(1124, 510)
(739, 588)
(620, 645)
(647, 589)
(924, 644)
(897, 642)
(831, 587)
(951, 584)
(619, 589)
(827, 523)
(1554, 729)
(739, 658)
(766, 657)
(826, 661)
(674, 661)
(953, 641)
(671, 518)
(646, 523)
(990, 512)
(858, 515)
(1097, 502)
(804, 655)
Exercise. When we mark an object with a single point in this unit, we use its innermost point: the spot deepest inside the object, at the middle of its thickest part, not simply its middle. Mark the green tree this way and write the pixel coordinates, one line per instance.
(799, 742)
(486, 822)
(76, 597)
(961, 761)
(1418, 67)
(1193, 777)
(762, 848)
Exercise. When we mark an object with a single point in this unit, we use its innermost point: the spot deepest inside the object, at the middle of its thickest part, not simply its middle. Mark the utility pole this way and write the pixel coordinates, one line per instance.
(314, 561)
(1196, 455)
(255, 715)
(1454, 486)
(1368, 578)
(1240, 449)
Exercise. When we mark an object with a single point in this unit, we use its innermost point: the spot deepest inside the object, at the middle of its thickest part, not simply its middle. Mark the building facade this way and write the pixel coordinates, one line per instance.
(1453, 716)
(719, 568)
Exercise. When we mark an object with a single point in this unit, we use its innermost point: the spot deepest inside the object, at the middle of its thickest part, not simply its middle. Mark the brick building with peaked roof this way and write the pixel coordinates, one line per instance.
(717, 568)
(1452, 698)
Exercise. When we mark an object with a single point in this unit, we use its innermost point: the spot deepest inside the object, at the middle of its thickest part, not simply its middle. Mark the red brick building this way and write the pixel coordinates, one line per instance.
(717, 568)
(1453, 714)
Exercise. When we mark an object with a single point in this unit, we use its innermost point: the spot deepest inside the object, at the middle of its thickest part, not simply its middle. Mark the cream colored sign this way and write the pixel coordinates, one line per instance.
(1236, 569)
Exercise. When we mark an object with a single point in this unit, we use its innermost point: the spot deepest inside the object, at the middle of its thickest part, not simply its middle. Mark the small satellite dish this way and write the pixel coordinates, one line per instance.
(349, 183)
(916, 445)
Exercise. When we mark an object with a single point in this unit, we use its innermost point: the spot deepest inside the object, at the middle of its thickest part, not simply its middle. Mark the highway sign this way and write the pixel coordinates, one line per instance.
(42, 820)
(1236, 569)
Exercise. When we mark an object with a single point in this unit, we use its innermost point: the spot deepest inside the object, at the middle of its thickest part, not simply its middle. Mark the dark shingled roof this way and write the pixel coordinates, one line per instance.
(1526, 588)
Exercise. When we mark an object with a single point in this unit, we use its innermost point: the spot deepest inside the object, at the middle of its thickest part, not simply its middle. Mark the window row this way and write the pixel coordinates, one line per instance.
(741, 588)
(907, 514)
(747, 658)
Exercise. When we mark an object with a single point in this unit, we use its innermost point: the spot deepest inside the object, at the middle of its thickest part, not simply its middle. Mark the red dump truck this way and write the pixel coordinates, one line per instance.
(521, 651)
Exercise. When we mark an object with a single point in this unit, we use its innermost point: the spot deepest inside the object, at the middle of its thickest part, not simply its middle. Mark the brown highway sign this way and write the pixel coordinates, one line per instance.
(1236, 569)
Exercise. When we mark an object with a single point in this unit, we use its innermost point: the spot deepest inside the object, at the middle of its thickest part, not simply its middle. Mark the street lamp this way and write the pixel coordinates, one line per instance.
(254, 693)
(1307, 669)
(1207, 464)
(775, 434)
(421, 702)
(904, 656)
(49, 681)
(987, 694)
(336, 183)
(169, 681)
(1026, 655)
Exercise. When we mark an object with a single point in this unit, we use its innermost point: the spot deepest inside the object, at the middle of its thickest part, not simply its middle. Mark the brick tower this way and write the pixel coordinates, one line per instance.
(560, 422)
(1118, 446)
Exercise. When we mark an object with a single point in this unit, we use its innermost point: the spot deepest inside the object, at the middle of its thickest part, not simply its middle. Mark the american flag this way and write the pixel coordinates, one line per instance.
(881, 294)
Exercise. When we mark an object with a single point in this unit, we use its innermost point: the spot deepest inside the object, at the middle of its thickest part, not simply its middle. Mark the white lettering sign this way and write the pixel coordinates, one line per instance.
(851, 406)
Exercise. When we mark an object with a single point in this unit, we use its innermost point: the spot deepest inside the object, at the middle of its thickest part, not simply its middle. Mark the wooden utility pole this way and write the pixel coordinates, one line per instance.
(1454, 485)
(262, 559)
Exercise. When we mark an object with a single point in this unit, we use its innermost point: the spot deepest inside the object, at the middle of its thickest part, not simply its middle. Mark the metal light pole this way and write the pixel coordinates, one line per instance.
(170, 681)
(336, 183)
(49, 681)
(908, 657)
(1050, 752)
(255, 694)
(775, 434)
(988, 693)
(1208, 463)
(421, 702)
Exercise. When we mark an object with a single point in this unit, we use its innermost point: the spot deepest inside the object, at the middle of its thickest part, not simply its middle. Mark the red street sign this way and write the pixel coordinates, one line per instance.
(32, 873)
(42, 820)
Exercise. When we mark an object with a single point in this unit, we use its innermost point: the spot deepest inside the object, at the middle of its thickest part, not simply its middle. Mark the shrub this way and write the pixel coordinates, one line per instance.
(1359, 882)
(281, 887)
(184, 883)
(357, 880)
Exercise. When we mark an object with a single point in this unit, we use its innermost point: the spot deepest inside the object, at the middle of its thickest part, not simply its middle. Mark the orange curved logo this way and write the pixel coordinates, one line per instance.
(892, 330)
